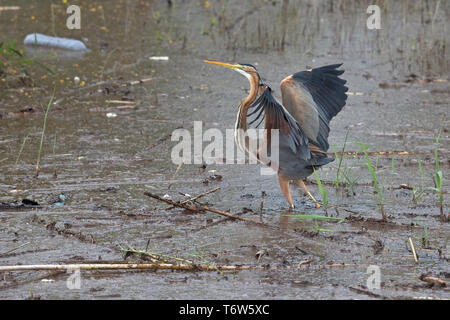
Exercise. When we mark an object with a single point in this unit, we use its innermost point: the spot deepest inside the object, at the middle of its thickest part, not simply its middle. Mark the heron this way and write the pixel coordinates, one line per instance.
(310, 99)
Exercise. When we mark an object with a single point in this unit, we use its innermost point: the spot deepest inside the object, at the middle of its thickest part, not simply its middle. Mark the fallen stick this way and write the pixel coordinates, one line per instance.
(342, 208)
(126, 107)
(308, 261)
(261, 207)
(156, 257)
(229, 215)
(12, 250)
(367, 292)
(215, 223)
(120, 102)
(106, 266)
(203, 208)
(434, 281)
(200, 195)
(195, 198)
(6, 8)
(109, 82)
(133, 82)
(169, 266)
(413, 250)
(176, 204)
(160, 140)
(133, 266)
(175, 174)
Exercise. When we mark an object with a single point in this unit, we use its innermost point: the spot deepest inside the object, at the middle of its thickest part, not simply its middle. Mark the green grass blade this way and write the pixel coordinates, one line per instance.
(393, 164)
(22, 146)
(436, 155)
(44, 126)
(314, 217)
(43, 66)
(341, 158)
(322, 189)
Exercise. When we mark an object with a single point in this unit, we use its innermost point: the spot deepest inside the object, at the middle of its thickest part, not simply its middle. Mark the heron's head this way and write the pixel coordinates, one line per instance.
(245, 69)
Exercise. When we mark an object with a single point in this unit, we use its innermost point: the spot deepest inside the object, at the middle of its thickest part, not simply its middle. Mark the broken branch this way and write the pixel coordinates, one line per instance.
(203, 208)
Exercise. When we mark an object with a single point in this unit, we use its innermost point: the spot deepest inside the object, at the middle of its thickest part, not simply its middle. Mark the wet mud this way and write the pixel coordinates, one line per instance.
(108, 141)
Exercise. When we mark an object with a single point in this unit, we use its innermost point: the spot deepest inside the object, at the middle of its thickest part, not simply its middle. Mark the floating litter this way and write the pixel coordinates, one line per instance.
(111, 115)
(54, 42)
(162, 58)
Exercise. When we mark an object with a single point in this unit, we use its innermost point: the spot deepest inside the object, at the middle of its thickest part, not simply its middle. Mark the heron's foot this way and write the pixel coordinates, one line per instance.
(302, 184)
(284, 185)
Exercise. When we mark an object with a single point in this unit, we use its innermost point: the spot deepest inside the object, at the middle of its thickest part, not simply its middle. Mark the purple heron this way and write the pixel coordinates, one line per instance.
(310, 99)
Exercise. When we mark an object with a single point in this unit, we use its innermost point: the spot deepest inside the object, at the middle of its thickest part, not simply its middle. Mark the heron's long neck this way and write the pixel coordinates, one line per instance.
(247, 101)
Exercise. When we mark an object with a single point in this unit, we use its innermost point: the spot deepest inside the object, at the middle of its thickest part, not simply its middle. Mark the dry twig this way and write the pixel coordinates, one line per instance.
(175, 174)
(434, 281)
(413, 250)
(171, 266)
(202, 208)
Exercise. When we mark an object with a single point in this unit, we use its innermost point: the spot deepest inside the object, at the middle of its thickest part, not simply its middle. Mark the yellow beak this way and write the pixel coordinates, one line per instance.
(223, 64)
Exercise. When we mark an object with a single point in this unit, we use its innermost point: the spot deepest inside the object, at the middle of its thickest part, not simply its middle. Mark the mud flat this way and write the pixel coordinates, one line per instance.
(107, 142)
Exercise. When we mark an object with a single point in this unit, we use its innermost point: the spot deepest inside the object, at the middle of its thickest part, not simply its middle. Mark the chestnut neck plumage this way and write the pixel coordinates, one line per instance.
(241, 126)
(253, 78)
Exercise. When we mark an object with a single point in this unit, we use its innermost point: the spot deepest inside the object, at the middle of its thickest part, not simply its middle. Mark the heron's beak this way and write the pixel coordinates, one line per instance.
(227, 65)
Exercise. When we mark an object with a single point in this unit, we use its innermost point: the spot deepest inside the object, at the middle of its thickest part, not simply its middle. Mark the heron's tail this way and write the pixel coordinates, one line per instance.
(319, 161)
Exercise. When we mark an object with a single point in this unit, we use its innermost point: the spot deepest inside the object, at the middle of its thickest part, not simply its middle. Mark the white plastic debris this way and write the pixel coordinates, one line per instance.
(166, 196)
(76, 80)
(111, 115)
(54, 42)
(161, 58)
(17, 191)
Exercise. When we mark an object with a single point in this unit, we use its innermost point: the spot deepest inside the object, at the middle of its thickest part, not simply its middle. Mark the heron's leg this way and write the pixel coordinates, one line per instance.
(302, 184)
(284, 185)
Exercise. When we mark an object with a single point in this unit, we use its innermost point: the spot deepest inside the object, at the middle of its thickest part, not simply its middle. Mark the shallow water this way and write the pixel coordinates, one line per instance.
(104, 165)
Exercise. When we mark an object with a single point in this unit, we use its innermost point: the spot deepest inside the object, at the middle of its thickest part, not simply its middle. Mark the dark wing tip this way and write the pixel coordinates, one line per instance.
(331, 66)
(328, 91)
(332, 69)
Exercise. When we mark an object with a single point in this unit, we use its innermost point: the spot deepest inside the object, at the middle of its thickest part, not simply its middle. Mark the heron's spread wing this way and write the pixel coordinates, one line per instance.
(313, 98)
(275, 116)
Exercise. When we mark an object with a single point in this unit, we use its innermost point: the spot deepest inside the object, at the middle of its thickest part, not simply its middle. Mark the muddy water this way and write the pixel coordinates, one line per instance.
(103, 165)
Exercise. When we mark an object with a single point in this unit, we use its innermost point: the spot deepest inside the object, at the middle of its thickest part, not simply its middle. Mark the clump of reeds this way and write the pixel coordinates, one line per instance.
(376, 184)
(373, 174)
